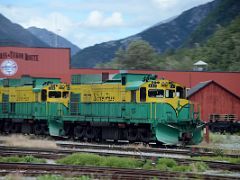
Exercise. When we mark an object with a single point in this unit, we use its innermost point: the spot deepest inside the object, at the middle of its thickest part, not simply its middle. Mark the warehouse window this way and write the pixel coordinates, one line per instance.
(156, 93)
(54, 94)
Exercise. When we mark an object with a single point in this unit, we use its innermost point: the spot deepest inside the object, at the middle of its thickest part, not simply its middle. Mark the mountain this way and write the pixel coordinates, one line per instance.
(12, 34)
(53, 39)
(221, 16)
(169, 35)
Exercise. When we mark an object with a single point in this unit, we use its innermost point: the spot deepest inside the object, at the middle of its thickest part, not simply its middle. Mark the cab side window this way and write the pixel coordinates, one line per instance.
(180, 92)
(44, 95)
(143, 94)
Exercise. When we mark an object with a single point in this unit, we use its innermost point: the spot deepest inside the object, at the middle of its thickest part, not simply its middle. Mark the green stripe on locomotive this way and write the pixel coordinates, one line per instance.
(166, 126)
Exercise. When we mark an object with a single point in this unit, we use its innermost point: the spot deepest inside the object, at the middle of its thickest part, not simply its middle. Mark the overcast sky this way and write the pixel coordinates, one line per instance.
(87, 22)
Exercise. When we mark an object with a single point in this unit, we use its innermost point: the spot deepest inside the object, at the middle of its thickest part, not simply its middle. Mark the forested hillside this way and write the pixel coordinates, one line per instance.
(221, 52)
(168, 35)
(221, 16)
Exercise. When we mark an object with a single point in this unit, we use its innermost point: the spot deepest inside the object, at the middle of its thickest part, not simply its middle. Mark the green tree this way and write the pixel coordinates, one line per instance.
(139, 55)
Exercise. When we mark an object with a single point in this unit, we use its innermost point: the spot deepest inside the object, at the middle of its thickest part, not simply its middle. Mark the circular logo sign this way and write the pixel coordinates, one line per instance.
(9, 67)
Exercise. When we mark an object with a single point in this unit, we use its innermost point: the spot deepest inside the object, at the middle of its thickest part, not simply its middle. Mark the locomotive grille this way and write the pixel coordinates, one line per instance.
(74, 103)
(5, 103)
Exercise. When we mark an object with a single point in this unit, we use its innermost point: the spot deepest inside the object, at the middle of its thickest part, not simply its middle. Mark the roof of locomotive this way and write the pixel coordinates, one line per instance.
(135, 77)
(36, 82)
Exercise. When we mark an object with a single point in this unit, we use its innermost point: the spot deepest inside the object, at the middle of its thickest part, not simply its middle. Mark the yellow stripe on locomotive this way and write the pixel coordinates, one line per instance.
(154, 91)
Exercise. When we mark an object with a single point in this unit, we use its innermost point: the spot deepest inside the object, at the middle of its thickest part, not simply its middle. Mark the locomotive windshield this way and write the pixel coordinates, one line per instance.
(54, 94)
(170, 93)
(65, 94)
(158, 93)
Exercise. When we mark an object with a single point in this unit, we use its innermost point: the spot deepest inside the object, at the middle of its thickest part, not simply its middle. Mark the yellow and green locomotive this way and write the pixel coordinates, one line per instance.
(133, 107)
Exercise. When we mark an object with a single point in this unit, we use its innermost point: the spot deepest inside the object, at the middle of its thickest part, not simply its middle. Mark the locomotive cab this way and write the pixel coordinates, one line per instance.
(56, 93)
(164, 91)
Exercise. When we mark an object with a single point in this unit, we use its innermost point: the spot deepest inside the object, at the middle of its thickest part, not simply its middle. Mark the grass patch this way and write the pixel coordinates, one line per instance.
(85, 159)
(56, 177)
(165, 164)
(24, 159)
(218, 158)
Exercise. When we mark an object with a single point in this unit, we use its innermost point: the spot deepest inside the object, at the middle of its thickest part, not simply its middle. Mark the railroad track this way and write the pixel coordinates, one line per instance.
(59, 153)
(100, 172)
(180, 151)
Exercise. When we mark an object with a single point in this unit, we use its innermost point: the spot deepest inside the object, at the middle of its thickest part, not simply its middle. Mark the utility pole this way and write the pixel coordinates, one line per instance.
(56, 37)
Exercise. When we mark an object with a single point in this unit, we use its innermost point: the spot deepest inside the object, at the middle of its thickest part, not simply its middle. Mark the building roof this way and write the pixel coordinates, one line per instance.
(198, 87)
(202, 85)
(200, 63)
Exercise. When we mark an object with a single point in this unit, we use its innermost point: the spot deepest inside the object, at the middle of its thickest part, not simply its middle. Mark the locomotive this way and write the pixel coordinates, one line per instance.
(132, 107)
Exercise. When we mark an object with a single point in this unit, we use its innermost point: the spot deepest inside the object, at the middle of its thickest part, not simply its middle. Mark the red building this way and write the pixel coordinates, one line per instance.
(38, 62)
(216, 101)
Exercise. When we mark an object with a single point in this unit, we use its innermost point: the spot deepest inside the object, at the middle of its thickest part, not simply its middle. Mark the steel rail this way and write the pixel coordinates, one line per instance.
(100, 172)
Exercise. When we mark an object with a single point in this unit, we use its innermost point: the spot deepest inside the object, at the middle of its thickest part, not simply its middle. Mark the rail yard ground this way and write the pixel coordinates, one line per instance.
(222, 143)
(124, 166)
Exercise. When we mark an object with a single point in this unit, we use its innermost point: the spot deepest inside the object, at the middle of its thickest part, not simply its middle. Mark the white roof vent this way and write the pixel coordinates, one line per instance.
(200, 66)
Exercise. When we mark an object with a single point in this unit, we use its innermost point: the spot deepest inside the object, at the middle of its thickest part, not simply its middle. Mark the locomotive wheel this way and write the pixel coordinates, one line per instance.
(38, 129)
(144, 135)
(26, 128)
(16, 127)
(68, 131)
(7, 128)
(1, 125)
(79, 132)
(45, 129)
(90, 133)
(133, 134)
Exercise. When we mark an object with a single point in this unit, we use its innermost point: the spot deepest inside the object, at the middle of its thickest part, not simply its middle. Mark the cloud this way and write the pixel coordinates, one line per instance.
(85, 39)
(97, 19)
(165, 4)
(55, 22)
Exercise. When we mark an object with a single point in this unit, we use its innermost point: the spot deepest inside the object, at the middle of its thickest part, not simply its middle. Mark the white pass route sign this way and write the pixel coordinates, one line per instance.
(9, 67)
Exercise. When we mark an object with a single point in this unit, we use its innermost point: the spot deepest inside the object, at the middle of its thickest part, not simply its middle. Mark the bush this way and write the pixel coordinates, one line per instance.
(181, 168)
(148, 165)
(166, 164)
(121, 162)
(198, 167)
(82, 159)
